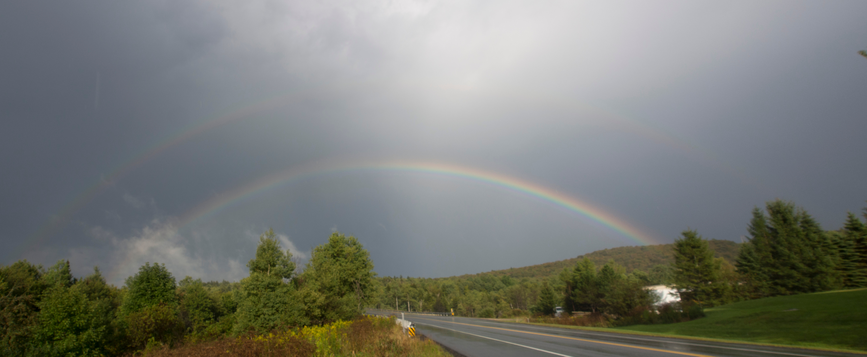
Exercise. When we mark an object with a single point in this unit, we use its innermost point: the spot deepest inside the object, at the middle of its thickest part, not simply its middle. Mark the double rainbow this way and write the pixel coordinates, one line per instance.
(79, 200)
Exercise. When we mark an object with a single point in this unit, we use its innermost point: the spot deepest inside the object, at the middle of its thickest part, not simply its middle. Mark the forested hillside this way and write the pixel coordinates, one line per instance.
(786, 252)
(643, 258)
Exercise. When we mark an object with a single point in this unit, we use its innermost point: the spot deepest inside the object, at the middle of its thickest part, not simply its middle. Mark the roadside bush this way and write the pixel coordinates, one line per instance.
(198, 307)
(223, 326)
(157, 324)
(694, 312)
(69, 324)
(242, 347)
(519, 312)
(590, 320)
(364, 336)
(669, 314)
(664, 314)
(486, 313)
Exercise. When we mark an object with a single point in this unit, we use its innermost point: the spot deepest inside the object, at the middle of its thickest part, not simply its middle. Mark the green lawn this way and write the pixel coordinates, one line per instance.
(834, 319)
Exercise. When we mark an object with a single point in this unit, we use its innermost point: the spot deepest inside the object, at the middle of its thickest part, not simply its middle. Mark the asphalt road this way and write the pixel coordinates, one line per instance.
(480, 338)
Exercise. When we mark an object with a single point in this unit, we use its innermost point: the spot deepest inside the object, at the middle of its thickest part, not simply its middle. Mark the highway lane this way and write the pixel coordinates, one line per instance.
(479, 338)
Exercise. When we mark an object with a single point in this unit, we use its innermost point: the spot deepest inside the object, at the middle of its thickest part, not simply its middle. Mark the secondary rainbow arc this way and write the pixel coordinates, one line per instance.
(246, 110)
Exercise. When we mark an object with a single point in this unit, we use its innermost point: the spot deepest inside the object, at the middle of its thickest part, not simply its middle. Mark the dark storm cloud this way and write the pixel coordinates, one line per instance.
(666, 114)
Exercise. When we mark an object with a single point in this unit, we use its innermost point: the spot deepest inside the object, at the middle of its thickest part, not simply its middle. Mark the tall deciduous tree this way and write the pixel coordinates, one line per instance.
(152, 285)
(21, 287)
(72, 325)
(696, 273)
(269, 298)
(59, 274)
(270, 259)
(338, 279)
(199, 307)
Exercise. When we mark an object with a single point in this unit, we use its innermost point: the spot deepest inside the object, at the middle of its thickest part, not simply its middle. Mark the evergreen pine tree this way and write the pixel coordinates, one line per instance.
(567, 278)
(817, 255)
(607, 280)
(853, 264)
(787, 270)
(755, 257)
(844, 251)
(585, 293)
(861, 246)
(696, 273)
(788, 253)
(547, 302)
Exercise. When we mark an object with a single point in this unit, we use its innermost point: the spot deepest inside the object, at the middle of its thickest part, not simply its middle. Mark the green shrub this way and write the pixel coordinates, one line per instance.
(487, 312)
(70, 324)
(21, 289)
(155, 324)
(152, 285)
(694, 312)
(199, 309)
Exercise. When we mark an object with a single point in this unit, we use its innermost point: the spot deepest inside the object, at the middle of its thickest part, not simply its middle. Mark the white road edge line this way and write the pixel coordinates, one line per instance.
(624, 336)
(494, 339)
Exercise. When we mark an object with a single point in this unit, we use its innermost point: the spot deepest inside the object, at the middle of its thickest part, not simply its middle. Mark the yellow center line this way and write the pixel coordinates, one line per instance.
(574, 338)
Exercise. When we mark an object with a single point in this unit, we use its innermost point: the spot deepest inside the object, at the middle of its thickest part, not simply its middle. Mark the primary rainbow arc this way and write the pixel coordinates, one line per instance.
(251, 188)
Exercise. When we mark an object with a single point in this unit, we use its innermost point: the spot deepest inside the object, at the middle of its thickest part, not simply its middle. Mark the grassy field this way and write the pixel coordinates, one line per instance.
(834, 319)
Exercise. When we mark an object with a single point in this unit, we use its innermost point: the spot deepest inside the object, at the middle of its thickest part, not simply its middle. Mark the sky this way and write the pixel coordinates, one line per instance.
(449, 137)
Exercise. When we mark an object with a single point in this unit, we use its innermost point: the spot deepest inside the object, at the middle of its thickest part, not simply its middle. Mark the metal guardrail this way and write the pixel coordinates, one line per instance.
(429, 313)
(408, 326)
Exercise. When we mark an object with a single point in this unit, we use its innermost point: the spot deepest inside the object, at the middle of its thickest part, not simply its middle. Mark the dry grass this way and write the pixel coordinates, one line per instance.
(242, 347)
(365, 336)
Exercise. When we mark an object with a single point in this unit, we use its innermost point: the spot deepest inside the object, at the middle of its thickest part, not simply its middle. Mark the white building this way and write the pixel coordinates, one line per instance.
(667, 294)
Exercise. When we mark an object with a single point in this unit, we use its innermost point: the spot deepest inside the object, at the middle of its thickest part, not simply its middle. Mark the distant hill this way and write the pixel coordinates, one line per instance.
(635, 257)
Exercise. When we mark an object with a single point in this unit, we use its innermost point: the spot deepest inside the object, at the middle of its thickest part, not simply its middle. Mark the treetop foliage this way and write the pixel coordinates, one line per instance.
(341, 273)
(59, 274)
(152, 285)
(270, 259)
(788, 253)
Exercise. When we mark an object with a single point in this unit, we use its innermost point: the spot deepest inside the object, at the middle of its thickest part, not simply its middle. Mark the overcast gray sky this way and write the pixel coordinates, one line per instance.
(139, 131)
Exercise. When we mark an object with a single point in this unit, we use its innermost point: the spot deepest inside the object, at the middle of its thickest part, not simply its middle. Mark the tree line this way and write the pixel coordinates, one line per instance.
(48, 312)
(786, 252)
